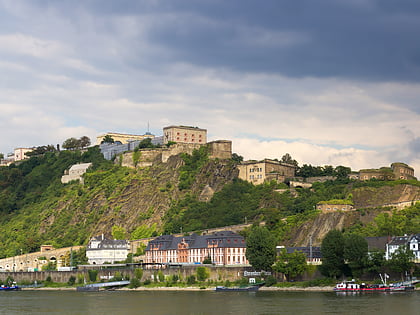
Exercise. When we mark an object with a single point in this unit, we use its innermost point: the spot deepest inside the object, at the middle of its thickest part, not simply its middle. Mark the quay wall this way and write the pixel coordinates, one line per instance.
(216, 273)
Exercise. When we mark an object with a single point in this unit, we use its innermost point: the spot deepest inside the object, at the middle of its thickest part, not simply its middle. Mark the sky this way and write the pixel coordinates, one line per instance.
(331, 82)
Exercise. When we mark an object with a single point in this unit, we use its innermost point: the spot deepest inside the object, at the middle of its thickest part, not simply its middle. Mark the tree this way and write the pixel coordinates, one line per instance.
(84, 142)
(376, 261)
(107, 139)
(207, 260)
(261, 248)
(402, 260)
(355, 253)
(291, 264)
(41, 150)
(332, 250)
(119, 232)
(1, 156)
(287, 158)
(71, 144)
(237, 158)
(342, 172)
(202, 273)
(92, 275)
(146, 143)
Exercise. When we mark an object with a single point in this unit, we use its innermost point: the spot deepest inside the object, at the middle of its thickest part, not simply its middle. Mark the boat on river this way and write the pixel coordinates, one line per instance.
(402, 286)
(13, 287)
(352, 286)
(251, 288)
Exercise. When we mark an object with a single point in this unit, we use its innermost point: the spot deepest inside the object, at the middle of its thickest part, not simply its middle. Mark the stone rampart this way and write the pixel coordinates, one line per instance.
(220, 149)
(32, 261)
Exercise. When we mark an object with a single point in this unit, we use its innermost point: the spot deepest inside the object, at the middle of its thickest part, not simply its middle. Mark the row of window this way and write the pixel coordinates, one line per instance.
(259, 176)
(255, 169)
(185, 134)
(185, 139)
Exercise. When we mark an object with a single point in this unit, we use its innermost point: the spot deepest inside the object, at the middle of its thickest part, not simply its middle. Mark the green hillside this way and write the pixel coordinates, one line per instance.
(36, 208)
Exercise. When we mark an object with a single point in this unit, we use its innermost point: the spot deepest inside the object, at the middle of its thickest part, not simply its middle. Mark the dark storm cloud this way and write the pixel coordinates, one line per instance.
(369, 40)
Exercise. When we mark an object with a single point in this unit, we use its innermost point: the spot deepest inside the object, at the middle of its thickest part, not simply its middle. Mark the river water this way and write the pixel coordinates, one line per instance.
(207, 302)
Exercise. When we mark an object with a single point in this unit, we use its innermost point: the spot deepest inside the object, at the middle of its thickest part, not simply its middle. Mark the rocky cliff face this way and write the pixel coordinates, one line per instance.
(369, 197)
(318, 227)
(142, 199)
(372, 200)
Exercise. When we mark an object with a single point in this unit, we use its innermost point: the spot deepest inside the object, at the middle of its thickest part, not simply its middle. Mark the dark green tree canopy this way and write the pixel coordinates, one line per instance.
(107, 139)
(70, 144)
(84, 142)
(332, 249)
(287, 158)
(402, 260)
(237, 158)
(261, 248)
(74, 144)
(356, 253)
(291, 264)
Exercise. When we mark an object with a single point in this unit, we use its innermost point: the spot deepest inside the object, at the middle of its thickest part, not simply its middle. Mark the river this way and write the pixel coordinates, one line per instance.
(207, 302)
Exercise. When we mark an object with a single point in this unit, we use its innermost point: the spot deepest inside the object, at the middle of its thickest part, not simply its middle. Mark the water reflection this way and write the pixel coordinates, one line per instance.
(206, 302)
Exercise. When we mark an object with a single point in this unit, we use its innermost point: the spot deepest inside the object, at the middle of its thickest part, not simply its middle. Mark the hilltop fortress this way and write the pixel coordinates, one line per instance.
(186, 139)
(176, 140)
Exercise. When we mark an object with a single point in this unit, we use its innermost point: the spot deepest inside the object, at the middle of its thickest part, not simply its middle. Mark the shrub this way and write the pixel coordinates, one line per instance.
(161, 276)
(93, 275)
(202, 273)
(118, 276)
(138, 273)
(72, 280)
(191, 279)
(80, 278)
(134, 283)
(175, 278)
(270, 280)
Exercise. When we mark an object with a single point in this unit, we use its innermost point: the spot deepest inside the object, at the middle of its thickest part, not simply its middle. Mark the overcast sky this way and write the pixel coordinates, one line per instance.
(332, 82)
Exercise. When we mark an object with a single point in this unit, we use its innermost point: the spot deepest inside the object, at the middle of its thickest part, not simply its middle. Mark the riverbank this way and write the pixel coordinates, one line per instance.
(312, 289)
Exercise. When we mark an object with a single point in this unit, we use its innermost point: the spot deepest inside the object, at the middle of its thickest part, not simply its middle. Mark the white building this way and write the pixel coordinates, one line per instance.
(412, 242)
(20, 153)
(75, 172)
(101, 250)
(414, 245)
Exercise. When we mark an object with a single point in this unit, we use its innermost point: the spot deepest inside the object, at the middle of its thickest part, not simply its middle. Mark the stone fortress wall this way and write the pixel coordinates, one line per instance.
(221, 149)
(35, 261)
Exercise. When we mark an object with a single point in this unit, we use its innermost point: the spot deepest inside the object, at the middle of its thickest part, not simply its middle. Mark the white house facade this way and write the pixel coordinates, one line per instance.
(101, 250)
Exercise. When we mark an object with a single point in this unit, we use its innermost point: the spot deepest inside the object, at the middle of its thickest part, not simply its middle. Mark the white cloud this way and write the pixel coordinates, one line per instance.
(29, 45)
(82, 74)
